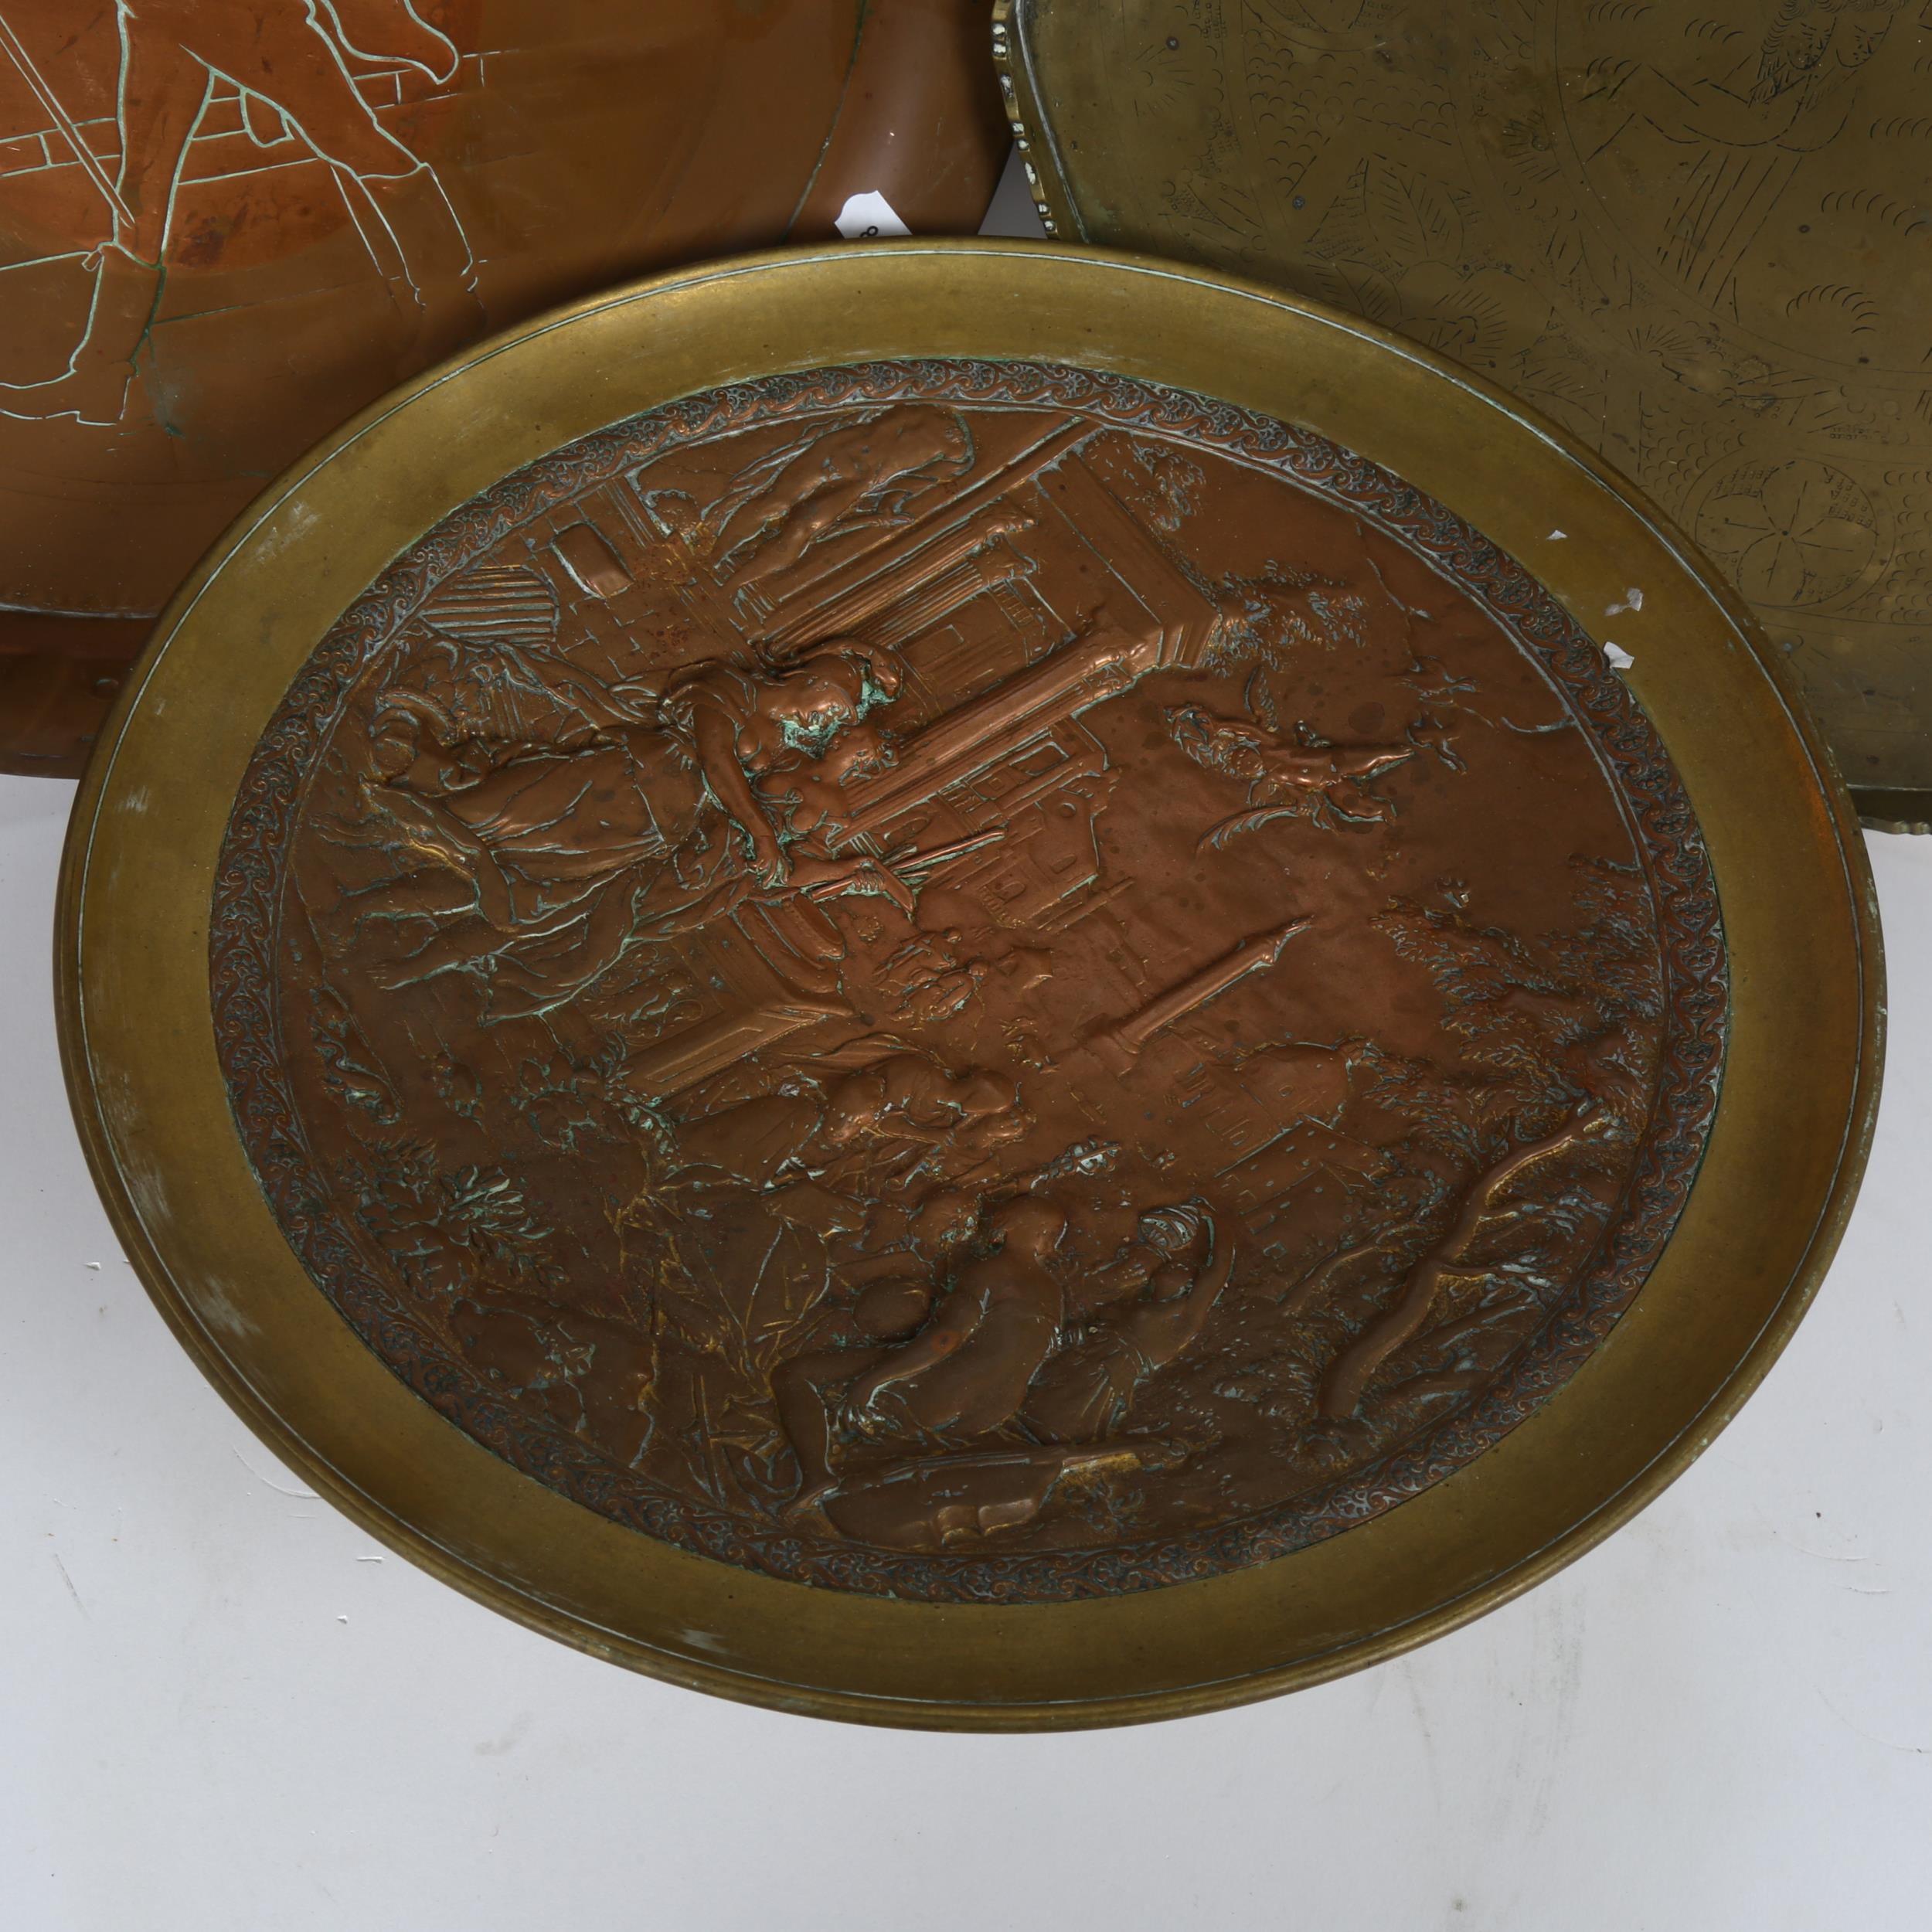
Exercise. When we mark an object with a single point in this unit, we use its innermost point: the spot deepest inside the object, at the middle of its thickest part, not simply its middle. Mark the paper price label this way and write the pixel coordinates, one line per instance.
(866, 217)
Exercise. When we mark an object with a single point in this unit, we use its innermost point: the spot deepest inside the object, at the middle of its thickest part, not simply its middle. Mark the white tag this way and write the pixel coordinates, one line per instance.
(1620, 659)
(866, 217)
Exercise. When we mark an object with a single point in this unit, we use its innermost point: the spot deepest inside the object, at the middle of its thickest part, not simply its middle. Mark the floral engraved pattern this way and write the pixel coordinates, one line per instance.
(1792, 533)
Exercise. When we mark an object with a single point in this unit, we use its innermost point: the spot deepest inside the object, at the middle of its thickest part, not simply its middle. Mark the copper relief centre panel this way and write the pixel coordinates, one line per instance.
(967, 980)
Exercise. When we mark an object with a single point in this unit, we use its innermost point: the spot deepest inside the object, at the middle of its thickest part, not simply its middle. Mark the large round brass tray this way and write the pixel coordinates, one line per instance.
(968, 984)
(1693, 237)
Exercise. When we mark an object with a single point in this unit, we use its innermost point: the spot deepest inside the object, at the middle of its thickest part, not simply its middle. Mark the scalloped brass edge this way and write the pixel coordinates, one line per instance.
(1032, 132)
(1907, 812)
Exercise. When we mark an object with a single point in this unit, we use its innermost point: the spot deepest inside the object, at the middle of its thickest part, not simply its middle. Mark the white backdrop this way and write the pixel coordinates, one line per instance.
(223, 1709)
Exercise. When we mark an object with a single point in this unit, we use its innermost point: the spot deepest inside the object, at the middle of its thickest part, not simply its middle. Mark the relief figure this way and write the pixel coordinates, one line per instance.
(890, 1296)
(1327, 784)
(1158, 1297)
(541, 865)
(799, 494)
(955, 1396)
(966, 1373)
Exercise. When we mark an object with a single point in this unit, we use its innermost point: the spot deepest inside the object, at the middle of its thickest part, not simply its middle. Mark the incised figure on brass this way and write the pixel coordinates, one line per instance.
(968, 981)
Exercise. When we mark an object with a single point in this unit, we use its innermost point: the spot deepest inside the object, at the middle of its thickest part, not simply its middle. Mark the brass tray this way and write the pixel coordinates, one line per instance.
(1691, 236)
(227, 225)
(898, 1004)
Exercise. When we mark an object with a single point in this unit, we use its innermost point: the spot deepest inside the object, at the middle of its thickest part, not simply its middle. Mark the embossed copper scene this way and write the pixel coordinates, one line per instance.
(963, 980)
(227, 225)
(1692, 236)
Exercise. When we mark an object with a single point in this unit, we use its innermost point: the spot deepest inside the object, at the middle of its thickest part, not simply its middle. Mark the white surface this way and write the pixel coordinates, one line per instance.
(223, 1709)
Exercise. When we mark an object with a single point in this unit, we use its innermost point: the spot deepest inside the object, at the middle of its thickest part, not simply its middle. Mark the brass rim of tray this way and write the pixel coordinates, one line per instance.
(1789, 1141)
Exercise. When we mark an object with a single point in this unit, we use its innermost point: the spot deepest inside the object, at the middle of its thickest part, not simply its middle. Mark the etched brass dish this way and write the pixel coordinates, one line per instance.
(1693, 237)
(970, 985)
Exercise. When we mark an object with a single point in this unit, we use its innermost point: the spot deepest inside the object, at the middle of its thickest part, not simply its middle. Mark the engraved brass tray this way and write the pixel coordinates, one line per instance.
(1692, 236)
(227, 225)
(970, 985)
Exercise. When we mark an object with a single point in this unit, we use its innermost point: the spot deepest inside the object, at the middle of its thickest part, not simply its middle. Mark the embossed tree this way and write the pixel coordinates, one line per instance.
(1554, 1089)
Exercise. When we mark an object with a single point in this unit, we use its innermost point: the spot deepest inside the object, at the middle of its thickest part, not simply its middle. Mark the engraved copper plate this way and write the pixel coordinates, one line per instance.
(227, 225)
(964, 980)
(1694, 237)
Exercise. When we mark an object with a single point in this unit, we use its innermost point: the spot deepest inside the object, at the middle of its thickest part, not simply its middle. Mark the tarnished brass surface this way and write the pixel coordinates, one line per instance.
(227, 225)
(1695, 237)
(929, 995)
